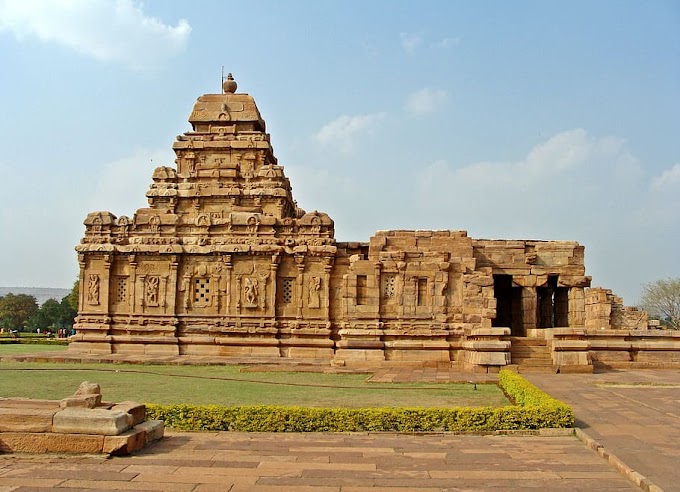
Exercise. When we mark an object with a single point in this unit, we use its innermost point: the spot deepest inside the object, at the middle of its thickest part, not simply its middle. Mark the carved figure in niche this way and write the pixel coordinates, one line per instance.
(124, 224)
(203, 221)
(250, 290)
(152, 285)
(252, 224)
(191, 164)
(155, 224)
(316, 225)
(97, 225)
(93, 289)
(314, 287)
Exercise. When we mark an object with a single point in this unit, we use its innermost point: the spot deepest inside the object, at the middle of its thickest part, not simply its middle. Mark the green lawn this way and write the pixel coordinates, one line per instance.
(29, 348)
(226, 385)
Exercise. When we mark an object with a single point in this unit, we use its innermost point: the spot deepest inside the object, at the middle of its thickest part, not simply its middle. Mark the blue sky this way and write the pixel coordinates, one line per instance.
(514, 120)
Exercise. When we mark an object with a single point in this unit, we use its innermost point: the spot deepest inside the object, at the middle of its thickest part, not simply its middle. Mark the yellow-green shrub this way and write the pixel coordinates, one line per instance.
(534, 409)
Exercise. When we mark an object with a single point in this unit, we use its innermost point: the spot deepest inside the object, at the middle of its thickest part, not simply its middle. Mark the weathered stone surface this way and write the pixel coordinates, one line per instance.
(153, 429)
(137, 411)
(223, 262)
(13, 419)
(88, 388)
(81, 401)
(22, 442)
(91, 421)
(125, 443)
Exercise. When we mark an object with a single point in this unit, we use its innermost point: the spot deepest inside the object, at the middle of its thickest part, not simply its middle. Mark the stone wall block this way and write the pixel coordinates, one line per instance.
(136, 410)
(21, 442)
(26, 419)
(91, 421)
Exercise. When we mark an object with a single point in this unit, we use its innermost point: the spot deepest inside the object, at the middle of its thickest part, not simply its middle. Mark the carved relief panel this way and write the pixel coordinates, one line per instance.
(93, 289)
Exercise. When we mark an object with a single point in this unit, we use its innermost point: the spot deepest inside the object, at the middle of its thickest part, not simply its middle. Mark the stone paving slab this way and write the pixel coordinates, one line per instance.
(634, 414)
(318, 462)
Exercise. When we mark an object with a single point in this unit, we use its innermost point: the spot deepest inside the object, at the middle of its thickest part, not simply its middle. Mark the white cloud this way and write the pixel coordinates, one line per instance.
(572, 186)
(410, 42)
(343, 131)
(668, 178)
(570, 181)
(426, 101)
(107, 30)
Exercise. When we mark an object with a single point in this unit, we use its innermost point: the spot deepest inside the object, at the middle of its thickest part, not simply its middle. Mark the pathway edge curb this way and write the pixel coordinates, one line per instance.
(637, 478)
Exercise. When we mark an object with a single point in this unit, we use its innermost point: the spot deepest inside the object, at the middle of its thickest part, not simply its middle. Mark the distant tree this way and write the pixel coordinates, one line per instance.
(16, 309)
(662, 299)
(72, 297)
(52, 315)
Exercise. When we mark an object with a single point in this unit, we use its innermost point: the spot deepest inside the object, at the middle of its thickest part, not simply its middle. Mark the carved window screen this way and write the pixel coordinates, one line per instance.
(362, 289)
(389, 286)
(422, 292)
(287, 290)
(120, 289)
(202, 291)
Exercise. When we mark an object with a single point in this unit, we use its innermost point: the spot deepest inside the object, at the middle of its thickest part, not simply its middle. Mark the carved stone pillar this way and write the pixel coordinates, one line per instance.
(228, 272)
(577, 307)
(106, 285)
(529, 306)
(299, 286)
(171, 288)
(133, 283)
(273, 268)
(142, 297)
(328, 266)
(377, 283)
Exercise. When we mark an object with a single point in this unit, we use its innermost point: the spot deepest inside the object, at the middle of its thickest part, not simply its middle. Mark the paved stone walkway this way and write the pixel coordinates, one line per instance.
(326, 462)
(634, 414)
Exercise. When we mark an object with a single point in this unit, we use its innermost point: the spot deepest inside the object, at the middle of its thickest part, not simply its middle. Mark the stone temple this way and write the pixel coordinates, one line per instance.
(224, 263)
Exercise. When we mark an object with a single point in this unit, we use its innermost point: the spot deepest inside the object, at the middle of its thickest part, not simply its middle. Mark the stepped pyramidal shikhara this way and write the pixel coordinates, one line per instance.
(224, 263)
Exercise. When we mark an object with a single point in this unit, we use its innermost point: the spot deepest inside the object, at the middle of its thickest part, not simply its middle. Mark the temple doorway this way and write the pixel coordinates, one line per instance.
(552, 305)
(508, 305)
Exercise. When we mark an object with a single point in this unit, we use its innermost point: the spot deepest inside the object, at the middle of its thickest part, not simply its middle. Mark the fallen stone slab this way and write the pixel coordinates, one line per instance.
(95, 421)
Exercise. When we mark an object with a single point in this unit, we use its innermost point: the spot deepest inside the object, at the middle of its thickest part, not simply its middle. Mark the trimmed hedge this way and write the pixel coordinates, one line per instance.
(534, 409)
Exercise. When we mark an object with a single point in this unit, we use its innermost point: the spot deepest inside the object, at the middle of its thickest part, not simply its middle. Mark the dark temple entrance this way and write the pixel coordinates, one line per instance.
(508, 305)
(552, 305)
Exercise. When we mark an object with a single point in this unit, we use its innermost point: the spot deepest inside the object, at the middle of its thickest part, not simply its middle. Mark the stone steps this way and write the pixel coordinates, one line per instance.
(531, 355)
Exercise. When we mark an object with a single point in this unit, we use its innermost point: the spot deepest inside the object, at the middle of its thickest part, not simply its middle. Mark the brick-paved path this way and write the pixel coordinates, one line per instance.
(234, 462)
(634, 414)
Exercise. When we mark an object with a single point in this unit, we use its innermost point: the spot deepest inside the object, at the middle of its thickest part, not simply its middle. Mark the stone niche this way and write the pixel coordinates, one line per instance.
(224, 263)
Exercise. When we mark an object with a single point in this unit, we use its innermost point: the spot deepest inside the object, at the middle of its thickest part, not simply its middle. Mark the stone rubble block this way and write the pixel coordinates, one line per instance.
(26, 419)
(91, 421)
(125, 443)
(47, 442)
(137, 411)
(153, 429)
(81, 401)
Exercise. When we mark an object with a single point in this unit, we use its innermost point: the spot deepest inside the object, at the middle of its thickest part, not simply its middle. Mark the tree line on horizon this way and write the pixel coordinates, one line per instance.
(21, 312)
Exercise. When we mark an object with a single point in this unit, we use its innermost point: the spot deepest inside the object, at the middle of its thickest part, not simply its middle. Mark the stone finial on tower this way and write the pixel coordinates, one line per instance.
(229, 85)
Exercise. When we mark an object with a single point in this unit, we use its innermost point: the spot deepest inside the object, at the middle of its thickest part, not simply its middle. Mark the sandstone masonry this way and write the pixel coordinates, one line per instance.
(224, 263)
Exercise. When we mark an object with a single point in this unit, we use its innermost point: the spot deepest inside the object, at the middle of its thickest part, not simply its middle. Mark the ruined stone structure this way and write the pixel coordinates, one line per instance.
(223, 262)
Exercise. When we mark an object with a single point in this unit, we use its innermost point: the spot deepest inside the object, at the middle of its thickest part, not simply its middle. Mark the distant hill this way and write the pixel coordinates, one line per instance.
(41, 294)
